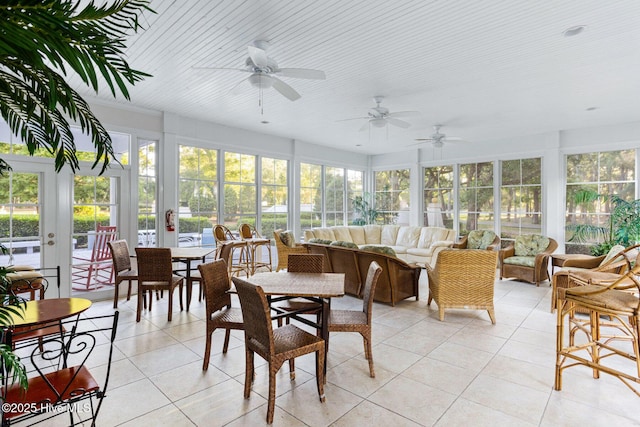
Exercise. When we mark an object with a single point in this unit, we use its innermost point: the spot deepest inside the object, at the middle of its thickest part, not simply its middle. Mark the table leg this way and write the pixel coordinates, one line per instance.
(189, 284)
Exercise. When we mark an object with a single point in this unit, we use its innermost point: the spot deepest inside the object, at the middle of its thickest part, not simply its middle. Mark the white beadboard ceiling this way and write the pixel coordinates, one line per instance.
(486, 70)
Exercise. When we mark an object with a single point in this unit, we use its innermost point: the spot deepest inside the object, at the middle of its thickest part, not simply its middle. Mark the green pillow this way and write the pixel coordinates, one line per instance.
(344, 244)
(530, 244)
(386, 250)
(287, 238)
(321, 241)
(480, 239)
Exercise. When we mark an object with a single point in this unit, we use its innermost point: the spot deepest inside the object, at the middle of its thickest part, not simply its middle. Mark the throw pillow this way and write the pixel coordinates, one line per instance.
(530, 244)
(344, 244)
(320, 241)
(386, 250)
(287, 238)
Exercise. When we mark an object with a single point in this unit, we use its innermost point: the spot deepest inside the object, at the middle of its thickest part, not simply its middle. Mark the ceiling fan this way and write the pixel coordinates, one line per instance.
(438, 139)
(263, 71)
(380, 116)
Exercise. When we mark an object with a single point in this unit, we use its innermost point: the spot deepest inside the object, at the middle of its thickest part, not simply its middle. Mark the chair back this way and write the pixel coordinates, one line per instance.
(222, 233)
(305, 263)
(104, 235)
(154, 265)
(373, 274)
(215, 279)
(247, 231)
(120, 255)
(256, 313)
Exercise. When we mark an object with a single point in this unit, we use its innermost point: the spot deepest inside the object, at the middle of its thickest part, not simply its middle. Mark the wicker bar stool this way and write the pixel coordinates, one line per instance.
(238, 246)
(613, 320)
(249, 234)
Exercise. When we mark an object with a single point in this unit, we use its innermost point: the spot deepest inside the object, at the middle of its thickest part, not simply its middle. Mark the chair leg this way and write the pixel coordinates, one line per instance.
(225, 347)
(129, 290)
(292, 369)
(207, 349)
(441, 313)
(170, 305)
(248, 373)
(116, 291)
(139, 308)
(272, 394)
(492, 315)
(368, 353)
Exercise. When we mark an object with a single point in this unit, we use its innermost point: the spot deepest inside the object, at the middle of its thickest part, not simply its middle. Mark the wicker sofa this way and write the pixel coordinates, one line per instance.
(399, 280)
(411, 244)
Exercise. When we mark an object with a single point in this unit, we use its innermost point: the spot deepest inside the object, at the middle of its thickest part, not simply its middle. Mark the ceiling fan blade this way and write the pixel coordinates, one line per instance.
(364, 127)
(239, 87)
(396, 122)
(404, 114)
(221, 68)
(353, 118)
(285, 90)
(258, 56)
(302, 73)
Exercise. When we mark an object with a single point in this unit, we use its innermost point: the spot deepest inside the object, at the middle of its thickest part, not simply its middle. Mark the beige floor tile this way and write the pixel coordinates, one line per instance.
(414, 400)
(167, 416)
(478, 341)
(131, 401)
(369, 414)
(164, 359)
(520, 372)
(143, 343)
(561, 411)
(353, 375)
(462, 356)
(513, 399)
(219, 405)
(187, 379)
(464, 412)
(392, 358)
(441, 375)
(303, 403)
(413, 342)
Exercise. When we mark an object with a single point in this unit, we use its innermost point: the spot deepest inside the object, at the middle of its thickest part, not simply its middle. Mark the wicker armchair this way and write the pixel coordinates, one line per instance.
(479, 239)
(527, 259)
(276, 346)
(463, 279)
(284, 250)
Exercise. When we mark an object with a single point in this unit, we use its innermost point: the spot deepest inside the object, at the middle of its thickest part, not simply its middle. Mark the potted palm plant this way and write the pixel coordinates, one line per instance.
(42, 42)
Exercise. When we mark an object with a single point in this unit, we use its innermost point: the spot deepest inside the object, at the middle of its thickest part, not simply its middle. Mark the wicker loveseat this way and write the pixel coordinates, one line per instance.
(399, 280)
(527, 259)
(411, 244)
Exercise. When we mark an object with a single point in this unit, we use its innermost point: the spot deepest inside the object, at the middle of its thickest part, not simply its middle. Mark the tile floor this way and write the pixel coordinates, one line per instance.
(460, 372)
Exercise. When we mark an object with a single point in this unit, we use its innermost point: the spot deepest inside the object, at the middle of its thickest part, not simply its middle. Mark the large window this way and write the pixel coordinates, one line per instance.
(334, 186)
(240, 196)
(438, 196)
(392, 196)
(310, 195)
(521, 198)
(603, 173)
(147, 188)
(475, 197)
(274, 207)
(355, 187)
(198, 192)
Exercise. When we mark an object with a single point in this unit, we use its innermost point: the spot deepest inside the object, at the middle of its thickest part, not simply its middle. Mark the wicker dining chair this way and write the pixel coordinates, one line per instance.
(155, 273)
(302, 263)
(463, 279)
(220, 314)
(359, 321)
(612, 330)
(274, 345)
(121, 268)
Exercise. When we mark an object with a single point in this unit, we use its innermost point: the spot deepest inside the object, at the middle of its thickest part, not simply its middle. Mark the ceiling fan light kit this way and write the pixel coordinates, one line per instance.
(380, 116)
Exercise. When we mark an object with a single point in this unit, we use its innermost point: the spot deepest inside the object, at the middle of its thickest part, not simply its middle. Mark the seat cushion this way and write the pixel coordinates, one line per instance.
(527, 261)
(530, 244)
(379, 249)
(421, 252)
(480, 239)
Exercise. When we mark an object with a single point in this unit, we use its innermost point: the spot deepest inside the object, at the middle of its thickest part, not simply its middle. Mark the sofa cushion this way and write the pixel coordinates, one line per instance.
(480, 239)
(373, 234)
(428, 235)
(287, 238)
(530, 244)
(342, 234)
(423, 252)
(321, 241)
(408, 236)
(324, 233)
(389, 235)
(528, 261)
(357, 234)
(344, 244)
(379, 249)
